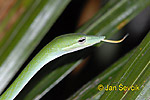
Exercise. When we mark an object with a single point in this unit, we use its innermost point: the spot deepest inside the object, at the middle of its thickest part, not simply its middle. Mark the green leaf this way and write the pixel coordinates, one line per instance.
(26, 34)
(135, 72)
(91, 89)
(107, 23)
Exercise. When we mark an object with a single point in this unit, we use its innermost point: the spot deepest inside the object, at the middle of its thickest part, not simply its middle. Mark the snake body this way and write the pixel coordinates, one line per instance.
(61, 45)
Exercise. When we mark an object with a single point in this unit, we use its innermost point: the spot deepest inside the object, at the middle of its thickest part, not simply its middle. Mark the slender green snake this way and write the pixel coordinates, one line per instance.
(59, 46)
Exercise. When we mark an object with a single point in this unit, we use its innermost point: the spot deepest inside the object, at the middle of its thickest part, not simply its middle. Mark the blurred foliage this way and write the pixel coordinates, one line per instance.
(25, 34)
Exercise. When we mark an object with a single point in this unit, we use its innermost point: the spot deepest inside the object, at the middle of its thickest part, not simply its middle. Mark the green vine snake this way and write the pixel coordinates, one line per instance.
(59, 46)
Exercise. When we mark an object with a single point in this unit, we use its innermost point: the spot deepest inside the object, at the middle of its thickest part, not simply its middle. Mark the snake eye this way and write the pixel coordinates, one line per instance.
(81, 40)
